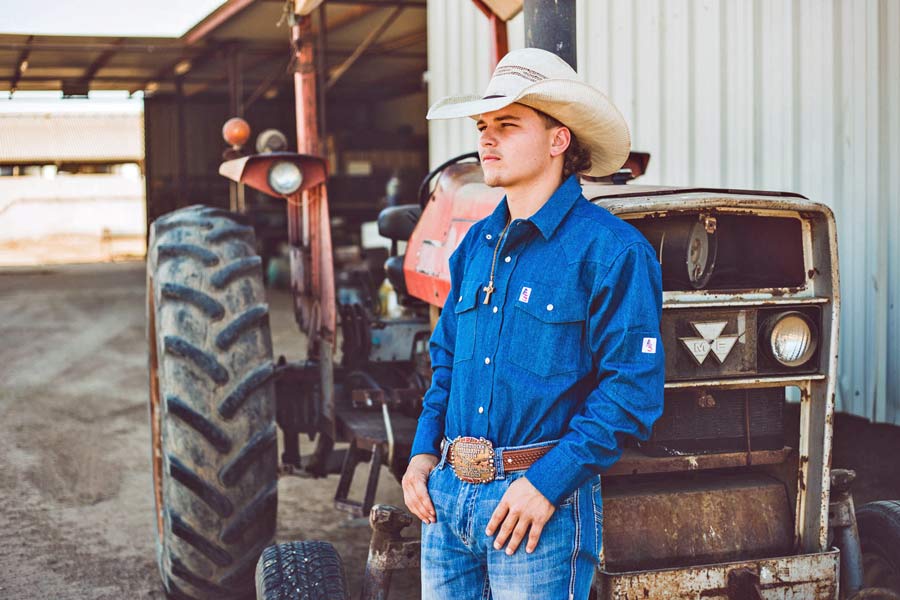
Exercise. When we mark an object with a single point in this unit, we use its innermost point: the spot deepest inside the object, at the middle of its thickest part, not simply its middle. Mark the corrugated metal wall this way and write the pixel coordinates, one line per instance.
(801, 96)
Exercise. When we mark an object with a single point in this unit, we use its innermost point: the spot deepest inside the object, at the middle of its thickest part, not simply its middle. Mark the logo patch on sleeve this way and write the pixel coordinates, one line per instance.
(649, 345)
(525, 294)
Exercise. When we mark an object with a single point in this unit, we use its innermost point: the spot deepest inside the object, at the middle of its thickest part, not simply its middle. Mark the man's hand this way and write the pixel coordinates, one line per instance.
(521, 507)
(415, 489)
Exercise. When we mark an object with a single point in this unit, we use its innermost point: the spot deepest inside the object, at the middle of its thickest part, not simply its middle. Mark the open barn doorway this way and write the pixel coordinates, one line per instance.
(71, 179)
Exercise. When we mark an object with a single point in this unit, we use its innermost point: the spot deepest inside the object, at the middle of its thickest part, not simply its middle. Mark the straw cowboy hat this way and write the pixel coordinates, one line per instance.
(545, 82)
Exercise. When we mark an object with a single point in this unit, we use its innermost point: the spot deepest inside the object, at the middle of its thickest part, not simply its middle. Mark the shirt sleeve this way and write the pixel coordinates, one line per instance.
(624, 339)
(430, 428)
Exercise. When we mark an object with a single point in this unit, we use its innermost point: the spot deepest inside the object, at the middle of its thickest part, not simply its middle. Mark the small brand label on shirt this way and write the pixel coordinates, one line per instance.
(524, 294)
(649, 346)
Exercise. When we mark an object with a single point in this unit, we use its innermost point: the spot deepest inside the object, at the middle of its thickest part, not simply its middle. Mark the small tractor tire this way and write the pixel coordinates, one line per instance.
(301, 571)
(212, 403)
(879, 532)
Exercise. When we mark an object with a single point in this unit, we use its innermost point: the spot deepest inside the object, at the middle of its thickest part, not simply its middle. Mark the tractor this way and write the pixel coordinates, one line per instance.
(713, 505)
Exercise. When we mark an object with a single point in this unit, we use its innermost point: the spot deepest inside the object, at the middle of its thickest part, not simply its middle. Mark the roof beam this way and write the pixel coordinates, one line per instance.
(348, 17)
(384, 3)
(124, 79)
(21, 65)
(281, 70)
(401, 41)
(126, 46)
(370, 39)
(168, 72)
(384, 85)
(101, 61)
(216, 19)
(209, 82)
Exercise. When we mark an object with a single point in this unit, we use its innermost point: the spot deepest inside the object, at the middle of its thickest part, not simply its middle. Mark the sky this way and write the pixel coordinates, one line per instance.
(162, 18)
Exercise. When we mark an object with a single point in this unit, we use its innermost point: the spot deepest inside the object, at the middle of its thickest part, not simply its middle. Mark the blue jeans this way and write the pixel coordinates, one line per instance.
(459, 561)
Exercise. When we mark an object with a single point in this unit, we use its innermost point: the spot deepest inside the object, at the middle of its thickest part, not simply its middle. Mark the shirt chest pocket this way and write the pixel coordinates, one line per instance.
(465, 321)
(549, 330)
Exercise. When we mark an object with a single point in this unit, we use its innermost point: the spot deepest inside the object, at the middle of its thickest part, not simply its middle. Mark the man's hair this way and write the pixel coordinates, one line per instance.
(577, 158)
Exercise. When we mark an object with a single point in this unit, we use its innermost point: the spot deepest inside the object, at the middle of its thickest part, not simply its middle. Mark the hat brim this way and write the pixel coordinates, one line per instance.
(586, 111)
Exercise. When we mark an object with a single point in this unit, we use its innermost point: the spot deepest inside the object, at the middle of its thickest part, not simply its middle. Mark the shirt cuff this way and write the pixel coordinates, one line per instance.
(556, 475)
(427, 439)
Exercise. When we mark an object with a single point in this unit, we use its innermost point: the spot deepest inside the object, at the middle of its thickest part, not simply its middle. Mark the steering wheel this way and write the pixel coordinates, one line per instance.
(423, 187)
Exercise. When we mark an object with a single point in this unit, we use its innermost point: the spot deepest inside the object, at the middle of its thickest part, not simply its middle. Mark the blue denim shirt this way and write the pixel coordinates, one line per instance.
(568, 347)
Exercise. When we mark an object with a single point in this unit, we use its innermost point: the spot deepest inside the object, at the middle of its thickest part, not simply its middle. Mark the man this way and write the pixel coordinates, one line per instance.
(546, 355)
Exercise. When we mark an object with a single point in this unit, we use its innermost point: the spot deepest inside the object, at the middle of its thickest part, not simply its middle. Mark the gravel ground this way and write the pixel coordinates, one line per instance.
(76, 502)
(76, 507)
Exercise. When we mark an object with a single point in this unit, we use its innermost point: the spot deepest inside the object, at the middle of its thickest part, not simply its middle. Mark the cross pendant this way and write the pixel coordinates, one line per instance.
(488, 290)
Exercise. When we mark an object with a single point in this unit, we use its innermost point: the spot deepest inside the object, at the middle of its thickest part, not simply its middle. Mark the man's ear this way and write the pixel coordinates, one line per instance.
(560, 141)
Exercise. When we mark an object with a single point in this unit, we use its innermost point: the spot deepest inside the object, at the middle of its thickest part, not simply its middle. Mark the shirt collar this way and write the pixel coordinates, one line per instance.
(551, 214)
(546, 219)
(495, 223)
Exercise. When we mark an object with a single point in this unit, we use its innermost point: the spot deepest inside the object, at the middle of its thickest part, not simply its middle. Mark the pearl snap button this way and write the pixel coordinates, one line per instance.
(549, 307)
(487, 361)
(507, 259)
(488, 236)
(480, 409)
(460, 299)
(495, 309)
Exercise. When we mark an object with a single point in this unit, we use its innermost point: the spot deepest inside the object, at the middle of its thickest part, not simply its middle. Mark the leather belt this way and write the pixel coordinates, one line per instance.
(473, 459)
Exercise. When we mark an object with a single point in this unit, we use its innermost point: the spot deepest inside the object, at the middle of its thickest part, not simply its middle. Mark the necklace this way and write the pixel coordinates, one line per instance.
(489, 288)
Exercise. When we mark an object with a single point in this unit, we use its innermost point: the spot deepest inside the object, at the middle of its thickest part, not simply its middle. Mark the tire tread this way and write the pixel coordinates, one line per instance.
(311, 570)
(205, 283)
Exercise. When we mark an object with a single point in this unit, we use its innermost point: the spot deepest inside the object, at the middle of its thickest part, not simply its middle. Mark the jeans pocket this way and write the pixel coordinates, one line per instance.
(597, 506)
(568, 500)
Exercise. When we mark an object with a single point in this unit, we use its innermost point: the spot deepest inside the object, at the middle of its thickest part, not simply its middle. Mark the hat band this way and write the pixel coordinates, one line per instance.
(519, 71)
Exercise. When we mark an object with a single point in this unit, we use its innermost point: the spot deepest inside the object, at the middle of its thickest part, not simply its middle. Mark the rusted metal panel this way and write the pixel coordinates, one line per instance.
(633, 462)
(804, 577)
(688, 520)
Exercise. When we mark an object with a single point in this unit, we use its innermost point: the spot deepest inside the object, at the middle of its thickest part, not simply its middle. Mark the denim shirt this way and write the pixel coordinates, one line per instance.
(567, 348)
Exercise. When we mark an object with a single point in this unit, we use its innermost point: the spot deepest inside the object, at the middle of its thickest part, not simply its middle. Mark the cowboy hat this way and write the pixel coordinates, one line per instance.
(545, 82)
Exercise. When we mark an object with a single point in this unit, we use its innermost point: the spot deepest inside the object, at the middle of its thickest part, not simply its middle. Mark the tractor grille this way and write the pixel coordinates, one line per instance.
(700, 421)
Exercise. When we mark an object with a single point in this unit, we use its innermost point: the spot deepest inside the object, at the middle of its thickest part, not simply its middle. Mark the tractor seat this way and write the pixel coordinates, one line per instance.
(393, 267)
(397, 222)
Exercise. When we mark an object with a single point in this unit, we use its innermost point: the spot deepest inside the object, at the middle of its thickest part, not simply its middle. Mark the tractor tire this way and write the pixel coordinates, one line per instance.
(879, 533)
(212, 403)
(301, 571)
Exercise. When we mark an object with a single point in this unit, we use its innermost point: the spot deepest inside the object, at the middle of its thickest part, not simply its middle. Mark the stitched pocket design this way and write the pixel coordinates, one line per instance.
(465, 321)
(548, 331)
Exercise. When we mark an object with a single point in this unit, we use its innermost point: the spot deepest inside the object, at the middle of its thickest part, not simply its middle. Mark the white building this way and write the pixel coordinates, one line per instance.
(799, 96)
(69, 176)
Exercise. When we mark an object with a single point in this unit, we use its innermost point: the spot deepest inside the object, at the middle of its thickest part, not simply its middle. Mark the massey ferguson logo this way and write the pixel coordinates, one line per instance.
(710, 340)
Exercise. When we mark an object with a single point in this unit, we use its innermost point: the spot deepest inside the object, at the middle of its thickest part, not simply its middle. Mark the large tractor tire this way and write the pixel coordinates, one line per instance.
(301, 571)
(212, 404)
(879, 534)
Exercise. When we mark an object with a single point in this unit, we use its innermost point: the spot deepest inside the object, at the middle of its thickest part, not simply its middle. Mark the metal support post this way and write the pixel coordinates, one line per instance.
(550, 25)
(842, 522)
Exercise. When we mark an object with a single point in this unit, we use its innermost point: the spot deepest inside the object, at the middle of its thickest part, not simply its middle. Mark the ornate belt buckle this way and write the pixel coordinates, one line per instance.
(473, 459)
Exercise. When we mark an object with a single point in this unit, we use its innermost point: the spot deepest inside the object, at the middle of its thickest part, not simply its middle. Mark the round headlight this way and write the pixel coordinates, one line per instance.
(792, 338)
(285, 177)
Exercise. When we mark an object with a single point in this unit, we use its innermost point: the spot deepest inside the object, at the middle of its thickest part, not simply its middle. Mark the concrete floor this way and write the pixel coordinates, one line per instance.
(76, 506)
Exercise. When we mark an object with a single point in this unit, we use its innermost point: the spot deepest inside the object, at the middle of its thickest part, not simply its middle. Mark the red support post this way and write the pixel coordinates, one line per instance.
(499, 39)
